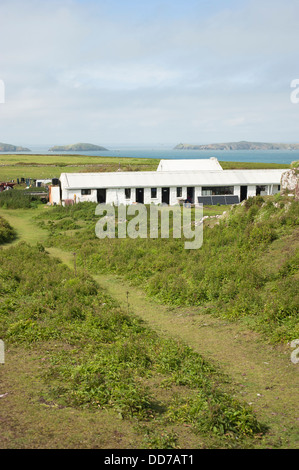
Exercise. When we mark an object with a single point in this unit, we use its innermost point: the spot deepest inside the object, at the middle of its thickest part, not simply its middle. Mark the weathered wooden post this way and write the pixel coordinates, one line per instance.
(75, 266)
(2, 358)
(128, 305)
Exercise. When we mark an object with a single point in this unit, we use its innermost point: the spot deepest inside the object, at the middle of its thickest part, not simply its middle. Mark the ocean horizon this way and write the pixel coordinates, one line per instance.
(165, 152)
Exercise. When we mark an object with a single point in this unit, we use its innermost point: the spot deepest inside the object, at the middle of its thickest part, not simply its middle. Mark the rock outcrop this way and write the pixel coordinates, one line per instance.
(289, 183)
(81, 147)
(12, 148)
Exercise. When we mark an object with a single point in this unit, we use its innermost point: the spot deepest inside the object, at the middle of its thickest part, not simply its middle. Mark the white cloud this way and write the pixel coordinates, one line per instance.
(71, 67)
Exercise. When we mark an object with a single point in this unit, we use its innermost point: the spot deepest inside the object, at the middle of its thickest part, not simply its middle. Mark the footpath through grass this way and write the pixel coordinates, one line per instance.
(262, 375)
(91, 354)
(247, 268)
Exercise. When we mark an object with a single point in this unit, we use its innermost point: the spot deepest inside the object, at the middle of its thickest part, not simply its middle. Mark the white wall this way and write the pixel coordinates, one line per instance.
(112, 196)
(237, 191)
(75, 195)
(197, 193)
(55, 195)
(117, 195)
(251, 191)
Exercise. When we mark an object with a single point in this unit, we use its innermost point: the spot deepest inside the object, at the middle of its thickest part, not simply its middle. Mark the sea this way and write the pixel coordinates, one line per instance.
(168, 152)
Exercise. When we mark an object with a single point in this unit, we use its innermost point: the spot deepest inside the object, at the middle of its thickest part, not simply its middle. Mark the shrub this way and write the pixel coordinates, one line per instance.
(18, 199)
(7, 233)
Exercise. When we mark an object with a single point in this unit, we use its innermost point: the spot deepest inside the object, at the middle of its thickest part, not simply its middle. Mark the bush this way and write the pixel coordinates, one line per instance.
(7, 233)
(18, 199)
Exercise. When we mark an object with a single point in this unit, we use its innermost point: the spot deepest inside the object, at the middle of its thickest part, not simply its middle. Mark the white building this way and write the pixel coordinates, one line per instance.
(39, 183)
(170, 187)
(207, 164)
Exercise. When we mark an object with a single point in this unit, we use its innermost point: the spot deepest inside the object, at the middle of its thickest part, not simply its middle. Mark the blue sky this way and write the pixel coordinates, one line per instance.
(128, 71)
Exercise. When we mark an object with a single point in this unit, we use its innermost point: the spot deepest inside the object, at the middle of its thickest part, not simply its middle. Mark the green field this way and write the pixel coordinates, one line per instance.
(70, 160)
(252, 166)
(51, 166)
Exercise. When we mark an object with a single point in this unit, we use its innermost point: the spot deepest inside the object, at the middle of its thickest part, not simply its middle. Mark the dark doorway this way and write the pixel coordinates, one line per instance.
(190, 195)
(140, 195)
(243, 193)
(165, 195)
(101, 196)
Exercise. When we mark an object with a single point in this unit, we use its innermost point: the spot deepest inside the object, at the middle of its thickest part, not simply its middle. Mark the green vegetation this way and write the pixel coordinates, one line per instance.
(233, 275)
(22, 220)
(21, 199)
(7, 233)
(83, 370)
(97, 356)
(51, 166)
(252, 166)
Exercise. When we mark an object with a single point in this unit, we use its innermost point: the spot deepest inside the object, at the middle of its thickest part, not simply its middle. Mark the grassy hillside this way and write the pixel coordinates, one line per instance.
(246, 269)
(93, 355)
(80, 362)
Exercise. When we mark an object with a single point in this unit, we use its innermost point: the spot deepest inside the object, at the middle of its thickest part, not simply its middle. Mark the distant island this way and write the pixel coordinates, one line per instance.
(76, 147)
(243, 145)
(12, 148)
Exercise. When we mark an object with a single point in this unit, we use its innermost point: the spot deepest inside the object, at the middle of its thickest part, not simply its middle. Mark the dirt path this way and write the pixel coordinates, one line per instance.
(23, 223)
(263, 375)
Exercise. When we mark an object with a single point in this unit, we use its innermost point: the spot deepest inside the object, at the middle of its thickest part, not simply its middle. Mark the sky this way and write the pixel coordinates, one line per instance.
(148, 72)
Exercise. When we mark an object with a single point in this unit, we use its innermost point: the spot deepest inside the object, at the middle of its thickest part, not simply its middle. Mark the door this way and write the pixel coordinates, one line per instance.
(243, 193)
(190, 195)
(140, 195)
(101, 195)
(165, 195)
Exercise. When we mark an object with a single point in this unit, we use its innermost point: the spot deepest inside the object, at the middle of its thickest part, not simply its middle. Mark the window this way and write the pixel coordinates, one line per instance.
(217, 190)
(179, 192)
(261, 190)
(85, 192)
(127, 193)
(153, 193)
